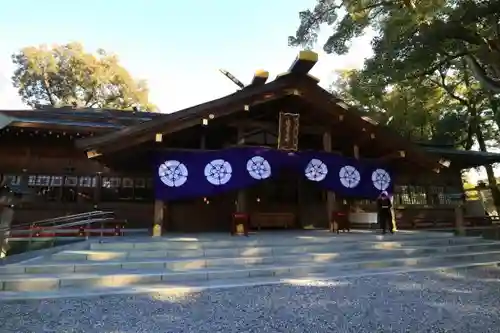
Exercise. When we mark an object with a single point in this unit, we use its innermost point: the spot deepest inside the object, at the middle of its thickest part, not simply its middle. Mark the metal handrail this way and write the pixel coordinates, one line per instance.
(59, 219)
(73, 216)
(67, 218)
(75, 224)
(65, 225)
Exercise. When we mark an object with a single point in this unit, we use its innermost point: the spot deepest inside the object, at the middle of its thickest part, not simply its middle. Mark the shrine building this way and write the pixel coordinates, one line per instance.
(285, 152)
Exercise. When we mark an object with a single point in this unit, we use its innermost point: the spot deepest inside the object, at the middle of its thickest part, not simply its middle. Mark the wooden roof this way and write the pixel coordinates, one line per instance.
(77, 119)
(176, 121)
(296, 81)
(463, 159)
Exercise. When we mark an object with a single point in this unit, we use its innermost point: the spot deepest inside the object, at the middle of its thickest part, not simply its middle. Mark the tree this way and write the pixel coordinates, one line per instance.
(433, 28)
(421, 111)
(351, 18)
(68, 75)
(430, 42)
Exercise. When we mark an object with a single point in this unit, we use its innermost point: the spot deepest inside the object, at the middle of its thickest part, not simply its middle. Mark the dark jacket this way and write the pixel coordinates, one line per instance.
(384, 206)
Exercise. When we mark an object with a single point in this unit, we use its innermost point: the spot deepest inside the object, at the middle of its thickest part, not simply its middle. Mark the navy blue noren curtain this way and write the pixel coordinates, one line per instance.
(190, 174)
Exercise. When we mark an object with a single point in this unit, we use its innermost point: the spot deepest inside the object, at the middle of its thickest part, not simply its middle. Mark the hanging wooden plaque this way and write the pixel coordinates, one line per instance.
(288, 137)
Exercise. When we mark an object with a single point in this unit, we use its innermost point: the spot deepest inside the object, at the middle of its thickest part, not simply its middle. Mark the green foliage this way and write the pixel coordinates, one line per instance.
(350, 18)
(471, 194)
(417, 76)
(412, 39)
(435, 70)
(422, 111)
(68, 75)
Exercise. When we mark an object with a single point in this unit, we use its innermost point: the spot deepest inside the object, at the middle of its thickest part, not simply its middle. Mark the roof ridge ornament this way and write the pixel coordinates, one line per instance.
(259, 77)
(302, 64)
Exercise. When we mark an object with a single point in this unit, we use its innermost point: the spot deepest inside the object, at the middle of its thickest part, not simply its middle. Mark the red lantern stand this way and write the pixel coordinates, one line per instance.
(339, 220)
(239, 218)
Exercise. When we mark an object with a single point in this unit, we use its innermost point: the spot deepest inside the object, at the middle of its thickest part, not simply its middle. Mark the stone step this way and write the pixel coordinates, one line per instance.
(239, 261)
(205, 243)
(248, 251)
(40, 282)
(187, 287)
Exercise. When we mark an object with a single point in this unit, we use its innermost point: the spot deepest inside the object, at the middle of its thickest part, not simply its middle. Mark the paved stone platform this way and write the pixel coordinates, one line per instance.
(124, 265)
(463, 300)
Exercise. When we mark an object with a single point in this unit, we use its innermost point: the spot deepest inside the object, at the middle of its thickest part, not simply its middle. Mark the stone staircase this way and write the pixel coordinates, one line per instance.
(129, 265)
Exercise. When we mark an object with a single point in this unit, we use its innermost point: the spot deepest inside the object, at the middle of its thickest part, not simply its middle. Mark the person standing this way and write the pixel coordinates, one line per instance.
(384, 213)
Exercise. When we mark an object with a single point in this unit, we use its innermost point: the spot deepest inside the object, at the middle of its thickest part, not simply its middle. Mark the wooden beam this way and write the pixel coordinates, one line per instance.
(93, 154)
(365, 138)
(248, 133)
(314, 78)
(267, 126)
(304, 62)
(393, 155)
(324, 102)
(191, 121)
(189, 117)
(260, 77)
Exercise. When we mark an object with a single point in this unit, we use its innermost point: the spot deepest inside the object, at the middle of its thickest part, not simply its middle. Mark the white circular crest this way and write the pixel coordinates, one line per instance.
(173, 173)
(381, 179)
(218, 172)
(349, 176)
(316, 170)
(259, 168)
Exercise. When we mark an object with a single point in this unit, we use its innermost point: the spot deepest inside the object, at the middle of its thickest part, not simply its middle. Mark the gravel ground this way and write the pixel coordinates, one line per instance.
(468, 301)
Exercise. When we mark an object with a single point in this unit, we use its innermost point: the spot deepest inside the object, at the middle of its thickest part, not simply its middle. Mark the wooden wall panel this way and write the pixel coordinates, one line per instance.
(198, 216)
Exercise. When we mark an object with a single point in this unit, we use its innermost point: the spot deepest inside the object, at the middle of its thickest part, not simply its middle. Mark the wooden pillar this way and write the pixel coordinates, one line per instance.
(159, 211)
(203, 142)
(26, 163)
(459, 219)
(241, 200)
(330, 196)
(6, 218)
(97, 190)
(356, 152)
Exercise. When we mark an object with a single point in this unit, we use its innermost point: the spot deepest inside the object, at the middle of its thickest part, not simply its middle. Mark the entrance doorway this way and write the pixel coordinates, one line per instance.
(287, 201)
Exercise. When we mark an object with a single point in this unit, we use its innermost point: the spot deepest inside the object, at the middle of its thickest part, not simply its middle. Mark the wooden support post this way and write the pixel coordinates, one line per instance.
(159, 211)
(97, 190)
(6, 218)
(459, 220)
(356, 152)
(241, 200)
(241, 206)
(330, 196)
(203, 142)
(241, 197)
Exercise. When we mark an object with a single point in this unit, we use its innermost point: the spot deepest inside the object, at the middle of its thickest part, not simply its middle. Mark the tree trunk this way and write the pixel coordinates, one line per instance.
(494, 104)
(487, 82)
(495, 192)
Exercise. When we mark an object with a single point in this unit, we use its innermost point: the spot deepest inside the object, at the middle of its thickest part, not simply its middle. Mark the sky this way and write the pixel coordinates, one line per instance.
(177, 46)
